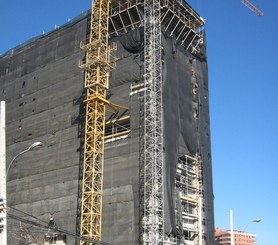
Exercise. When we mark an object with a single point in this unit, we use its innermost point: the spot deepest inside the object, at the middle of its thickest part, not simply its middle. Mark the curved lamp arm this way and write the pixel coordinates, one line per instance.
(31, 147)
(255, 221)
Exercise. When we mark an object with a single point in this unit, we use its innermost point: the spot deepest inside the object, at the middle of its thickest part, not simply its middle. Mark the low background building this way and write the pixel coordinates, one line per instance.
(241, 237)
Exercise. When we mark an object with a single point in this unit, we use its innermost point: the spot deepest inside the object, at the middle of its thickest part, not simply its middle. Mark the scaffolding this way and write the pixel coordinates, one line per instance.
(177, 20)
(181, 22)
(189, 184)
(174, 18)
(152, 155)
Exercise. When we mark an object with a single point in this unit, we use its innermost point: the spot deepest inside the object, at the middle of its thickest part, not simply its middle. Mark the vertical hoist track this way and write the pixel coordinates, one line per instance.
(152, 152)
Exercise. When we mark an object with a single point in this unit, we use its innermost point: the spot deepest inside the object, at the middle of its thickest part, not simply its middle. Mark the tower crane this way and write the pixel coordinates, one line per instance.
(252, 7)
(97, 69)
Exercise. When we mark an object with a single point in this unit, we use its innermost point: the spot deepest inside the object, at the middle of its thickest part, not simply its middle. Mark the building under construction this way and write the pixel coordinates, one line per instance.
(119, 99)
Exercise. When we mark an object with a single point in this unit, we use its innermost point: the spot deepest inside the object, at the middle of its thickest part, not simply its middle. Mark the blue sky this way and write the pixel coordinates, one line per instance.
(243, 71)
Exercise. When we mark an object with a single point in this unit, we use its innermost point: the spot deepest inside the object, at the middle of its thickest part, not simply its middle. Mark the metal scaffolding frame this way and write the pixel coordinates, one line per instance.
(152, 153)
(125, 16)
(189, 184)
(178, 20)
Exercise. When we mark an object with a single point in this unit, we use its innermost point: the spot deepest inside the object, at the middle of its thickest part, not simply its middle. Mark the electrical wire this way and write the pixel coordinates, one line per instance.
(26, 221)
(30, 215)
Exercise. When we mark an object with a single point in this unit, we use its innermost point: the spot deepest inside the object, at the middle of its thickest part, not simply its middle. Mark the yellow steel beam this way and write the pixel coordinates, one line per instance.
(117, 134)
(118, 119)
(189, 199)
(96, 82)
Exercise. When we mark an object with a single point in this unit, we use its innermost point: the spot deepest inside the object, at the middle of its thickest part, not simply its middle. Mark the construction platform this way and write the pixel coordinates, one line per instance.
(178, 20)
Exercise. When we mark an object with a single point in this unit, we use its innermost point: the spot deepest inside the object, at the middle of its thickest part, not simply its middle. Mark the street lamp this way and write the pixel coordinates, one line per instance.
(254, 221)
(257, 220)
(232, 226)
(31, 147)
(3, 221)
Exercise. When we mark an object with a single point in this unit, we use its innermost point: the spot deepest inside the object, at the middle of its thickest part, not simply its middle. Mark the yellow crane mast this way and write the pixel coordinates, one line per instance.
(96, 83)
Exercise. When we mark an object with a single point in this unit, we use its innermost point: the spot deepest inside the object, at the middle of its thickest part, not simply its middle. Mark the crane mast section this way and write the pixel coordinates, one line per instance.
(252, 7)
(96, 83)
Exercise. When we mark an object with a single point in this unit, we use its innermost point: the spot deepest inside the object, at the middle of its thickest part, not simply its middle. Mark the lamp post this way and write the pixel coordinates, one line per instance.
(31, 147)
(232, 226)
(3, 213)
(4, 193)
(255, 221)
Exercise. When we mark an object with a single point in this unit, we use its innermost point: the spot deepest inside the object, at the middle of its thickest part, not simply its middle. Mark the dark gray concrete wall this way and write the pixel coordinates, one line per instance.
(43, 87)
(40, 82)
